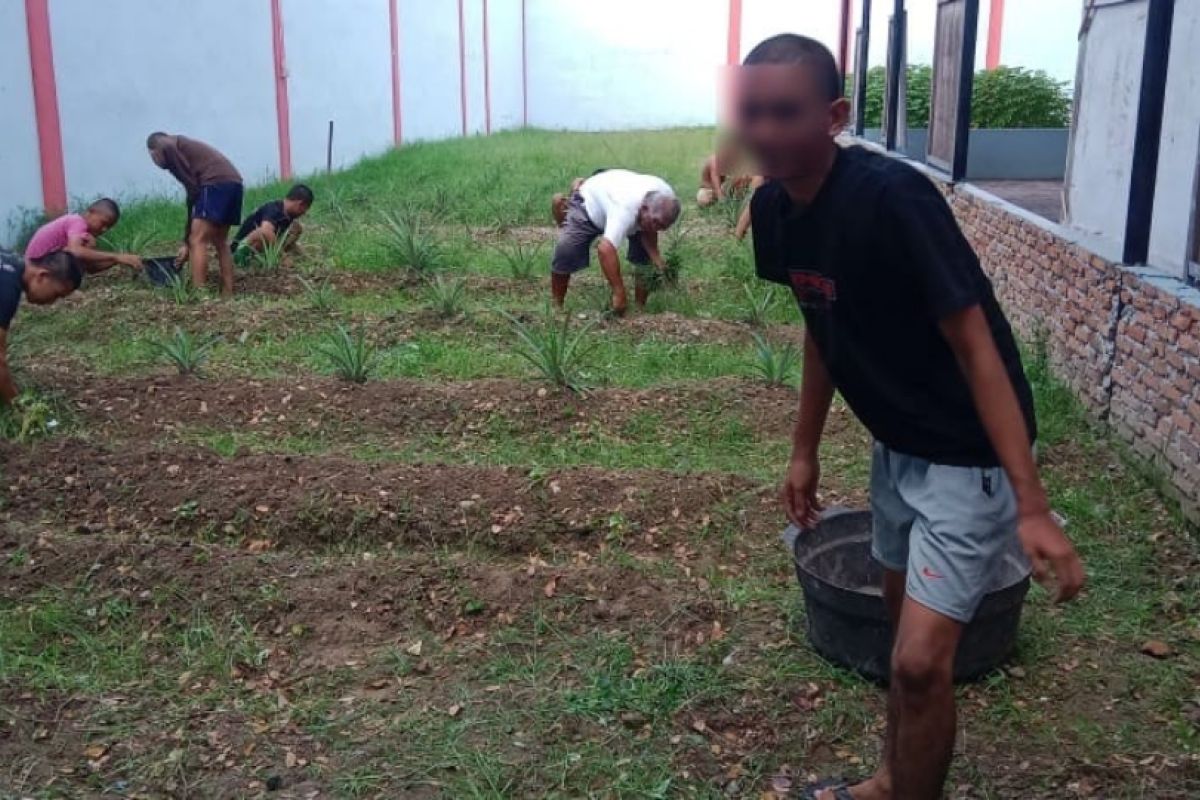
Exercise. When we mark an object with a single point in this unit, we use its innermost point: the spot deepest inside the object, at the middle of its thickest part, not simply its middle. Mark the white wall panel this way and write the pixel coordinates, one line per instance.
(505, 43)
(429, 69)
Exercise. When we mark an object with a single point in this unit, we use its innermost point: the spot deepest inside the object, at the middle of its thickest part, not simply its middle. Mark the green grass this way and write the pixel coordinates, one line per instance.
(522, 687)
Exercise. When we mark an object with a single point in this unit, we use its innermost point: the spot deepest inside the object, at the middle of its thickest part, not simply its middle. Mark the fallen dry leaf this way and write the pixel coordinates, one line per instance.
(1157, 649)
(95, 752)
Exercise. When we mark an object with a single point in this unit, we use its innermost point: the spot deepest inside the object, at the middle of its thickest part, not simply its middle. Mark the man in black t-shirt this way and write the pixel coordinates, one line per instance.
(269, 222)
(901, 320)
(41, 281)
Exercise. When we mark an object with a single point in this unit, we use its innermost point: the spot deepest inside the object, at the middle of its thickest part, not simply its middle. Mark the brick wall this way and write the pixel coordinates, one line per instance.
(1126, 340)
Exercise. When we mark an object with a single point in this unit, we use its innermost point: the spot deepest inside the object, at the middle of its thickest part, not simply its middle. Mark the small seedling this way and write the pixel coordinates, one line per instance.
(351, 357)
(445, 296)
(28, 417)
(271, 256)
(409, 245)
(775, 364)
(556, 351)
(319, 294)
(129, 239)
(180, 288)
(523, 259)
(759, 303)
(188, 353)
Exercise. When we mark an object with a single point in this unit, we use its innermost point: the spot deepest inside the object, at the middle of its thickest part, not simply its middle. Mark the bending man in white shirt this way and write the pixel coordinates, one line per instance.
(614, 206)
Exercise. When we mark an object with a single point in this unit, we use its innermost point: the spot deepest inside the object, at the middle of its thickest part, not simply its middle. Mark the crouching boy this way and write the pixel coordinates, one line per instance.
(42, 282)
(272, 223)
(77, 235)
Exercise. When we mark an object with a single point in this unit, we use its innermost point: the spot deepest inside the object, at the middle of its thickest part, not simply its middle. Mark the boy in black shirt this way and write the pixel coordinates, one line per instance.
(271, 221)
(42, 282)
(902, 321)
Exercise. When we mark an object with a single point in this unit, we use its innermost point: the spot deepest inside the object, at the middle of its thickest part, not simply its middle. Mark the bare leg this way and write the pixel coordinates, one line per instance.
(559, 283)
(922, 691)
(610, 264)
(224, 257)
(198, 239)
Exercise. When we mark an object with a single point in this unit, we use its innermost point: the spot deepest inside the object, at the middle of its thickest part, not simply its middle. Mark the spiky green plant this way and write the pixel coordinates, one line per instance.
(129, 239)
(446, 296)
(353, 359)
(556, 350)
(522, 258)
(760, 301)
(410, 246)
(775, 364)
(181, 289)
(187, 352)
(270, 257)
(30, 416)
(319, 293)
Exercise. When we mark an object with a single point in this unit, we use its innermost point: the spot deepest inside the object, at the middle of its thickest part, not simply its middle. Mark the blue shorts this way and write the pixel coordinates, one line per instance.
(219, 203)
(574, 248)
(950, 529)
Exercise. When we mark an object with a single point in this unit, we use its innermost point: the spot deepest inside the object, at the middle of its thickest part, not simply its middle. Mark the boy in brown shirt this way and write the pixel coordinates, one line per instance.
(214, 201)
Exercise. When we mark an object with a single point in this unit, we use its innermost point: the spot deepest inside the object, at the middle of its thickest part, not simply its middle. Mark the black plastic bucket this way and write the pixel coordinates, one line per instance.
(847, 620)
(160, 271)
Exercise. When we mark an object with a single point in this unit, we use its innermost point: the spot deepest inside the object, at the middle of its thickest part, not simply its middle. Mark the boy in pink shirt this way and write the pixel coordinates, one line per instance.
(76, 234)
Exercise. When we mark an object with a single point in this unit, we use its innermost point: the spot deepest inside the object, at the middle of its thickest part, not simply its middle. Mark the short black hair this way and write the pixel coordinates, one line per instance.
(302, 193)
(792, 48)
(62, 266)
(152, 139)
(108, 207)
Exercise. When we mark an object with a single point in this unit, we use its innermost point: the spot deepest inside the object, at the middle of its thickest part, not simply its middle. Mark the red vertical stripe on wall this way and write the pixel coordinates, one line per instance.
(524, 67)
(462, 65)
(397, 116)
(995, 33)
(733, 51)
(45, 106)
(487, 73)
(844, 28)
(282, 110)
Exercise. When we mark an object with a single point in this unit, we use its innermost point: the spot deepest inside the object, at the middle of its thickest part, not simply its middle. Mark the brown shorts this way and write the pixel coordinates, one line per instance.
(574, 249)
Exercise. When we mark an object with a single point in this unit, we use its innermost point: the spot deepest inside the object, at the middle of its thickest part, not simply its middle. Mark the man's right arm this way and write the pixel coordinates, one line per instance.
(804, 471)
(8, 389)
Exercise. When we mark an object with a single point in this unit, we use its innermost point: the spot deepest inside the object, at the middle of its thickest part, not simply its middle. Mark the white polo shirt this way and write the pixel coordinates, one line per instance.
(613, 198)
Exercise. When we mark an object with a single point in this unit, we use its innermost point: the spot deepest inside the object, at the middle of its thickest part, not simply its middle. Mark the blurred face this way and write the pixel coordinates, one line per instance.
(98, 222)
(158, 158)
(295, 208)
(648, 222)
(784, 120)
(42, 288)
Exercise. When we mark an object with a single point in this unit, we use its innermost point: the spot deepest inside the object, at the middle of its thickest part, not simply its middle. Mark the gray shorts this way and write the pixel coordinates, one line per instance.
(574, 249)
(949, 528)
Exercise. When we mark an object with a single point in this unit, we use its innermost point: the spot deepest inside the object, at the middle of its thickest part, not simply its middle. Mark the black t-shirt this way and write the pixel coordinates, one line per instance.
(268, 212)
(12, 287)
(875, 262)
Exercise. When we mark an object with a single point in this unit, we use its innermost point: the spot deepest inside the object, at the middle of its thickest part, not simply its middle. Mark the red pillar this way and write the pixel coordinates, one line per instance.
(524, 65)
(282, 107)
(45, 107)
(487, 74)
(397, 116)
(995, 33)
(733, 48)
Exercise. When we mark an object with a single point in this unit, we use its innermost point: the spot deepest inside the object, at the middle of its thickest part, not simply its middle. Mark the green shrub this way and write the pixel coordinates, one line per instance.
(349, 354)
(556, 351)
(774, 364)
(188, 353)
(1006, 97)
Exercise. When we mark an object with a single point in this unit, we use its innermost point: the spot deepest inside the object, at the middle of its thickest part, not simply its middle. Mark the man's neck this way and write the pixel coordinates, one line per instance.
(804, 188)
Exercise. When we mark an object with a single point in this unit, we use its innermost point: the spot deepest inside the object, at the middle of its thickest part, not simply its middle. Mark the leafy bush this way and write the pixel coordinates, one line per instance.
(555, 351)
(349, 354)
(1006, 97)
(774, 364)
(188, 353)
(445, 296)
(408, 245)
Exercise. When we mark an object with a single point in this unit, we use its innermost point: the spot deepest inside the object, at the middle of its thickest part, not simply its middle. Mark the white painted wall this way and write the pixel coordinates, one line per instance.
(505, 42)
(20, 174)
(126, 68)
(429, 69)
(339, 67)
(473, 30)
(1180, 151)
(624, 63)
